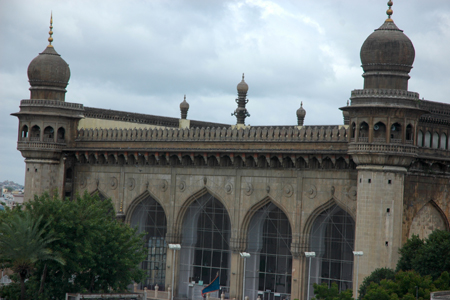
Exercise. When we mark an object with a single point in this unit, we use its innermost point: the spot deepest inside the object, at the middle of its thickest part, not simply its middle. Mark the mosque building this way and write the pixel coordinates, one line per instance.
(274, 192)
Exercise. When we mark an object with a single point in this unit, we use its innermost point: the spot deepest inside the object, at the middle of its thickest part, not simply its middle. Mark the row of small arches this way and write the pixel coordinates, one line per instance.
(379, 132)
(48, 134)
(434, 140)
(259, 161)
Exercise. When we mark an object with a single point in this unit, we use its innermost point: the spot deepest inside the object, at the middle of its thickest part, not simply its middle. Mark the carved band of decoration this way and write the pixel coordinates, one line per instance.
(312, 192)
(113, 183)
(273, 134)
(131, 184)
(248, 189)
(51, 103)
(39, 145)
(385, 93)
(182, 186)
(392, 148)
(228, 188)
(288, 190)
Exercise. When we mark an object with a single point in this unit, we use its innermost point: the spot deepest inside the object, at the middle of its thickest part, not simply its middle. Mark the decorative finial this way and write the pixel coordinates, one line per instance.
(242, 76)
(389, 12)
(347, 102)
(301, 104)
(50, 39)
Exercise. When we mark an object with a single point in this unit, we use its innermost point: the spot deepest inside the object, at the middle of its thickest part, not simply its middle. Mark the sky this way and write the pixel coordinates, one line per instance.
(144, 56)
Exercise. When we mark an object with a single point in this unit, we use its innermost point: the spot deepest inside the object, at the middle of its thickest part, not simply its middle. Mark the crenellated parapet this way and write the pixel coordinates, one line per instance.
(249, 134)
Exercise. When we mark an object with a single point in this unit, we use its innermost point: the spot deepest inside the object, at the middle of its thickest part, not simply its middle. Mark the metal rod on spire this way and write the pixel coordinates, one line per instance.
(50, 39)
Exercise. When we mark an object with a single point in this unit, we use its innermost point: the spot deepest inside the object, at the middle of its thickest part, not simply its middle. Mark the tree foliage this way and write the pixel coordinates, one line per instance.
(430, 256)
(376, 277)
(322, 292)
(24, 243)
(101, 253)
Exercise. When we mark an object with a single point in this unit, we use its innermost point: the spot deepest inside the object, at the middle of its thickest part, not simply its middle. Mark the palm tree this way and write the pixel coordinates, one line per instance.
(23, 242)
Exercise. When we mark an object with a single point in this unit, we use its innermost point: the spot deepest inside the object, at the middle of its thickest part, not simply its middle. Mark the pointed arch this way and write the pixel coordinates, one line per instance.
(136, 202)
(147, 215)
(205, 230)
(331, 235)
(428, 218)
(101, 195)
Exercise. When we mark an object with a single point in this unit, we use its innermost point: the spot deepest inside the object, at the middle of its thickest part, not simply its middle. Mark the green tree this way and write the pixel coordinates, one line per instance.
(376, 277)
(25, 243)
(101, 253)
(430, 256)
(323, 292)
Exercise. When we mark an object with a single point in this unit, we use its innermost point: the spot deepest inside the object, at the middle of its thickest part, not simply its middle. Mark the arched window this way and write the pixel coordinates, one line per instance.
(269, 267)
(149, 217)
(333, 238)
(443, 142)
(49, 134)
(35, 133)
(61, 135)
(409, 134)
(24, 133)
(205, 244)
(379, 132)
(435, 143)
(396, 133)
(363, 135)
(420, 138)
(353, 130)
(427, 139)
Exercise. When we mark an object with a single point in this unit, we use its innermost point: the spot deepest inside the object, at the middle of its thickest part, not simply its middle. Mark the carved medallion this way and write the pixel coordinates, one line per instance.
(228, 188)
(113, 183)
(288, 190)
(312, 192)
(249, 189)
(182, 186)
(83, 181)
(131, 183)
(164, 185)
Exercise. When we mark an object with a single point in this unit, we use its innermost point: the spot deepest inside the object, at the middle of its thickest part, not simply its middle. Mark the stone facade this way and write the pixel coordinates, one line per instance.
(274, 192)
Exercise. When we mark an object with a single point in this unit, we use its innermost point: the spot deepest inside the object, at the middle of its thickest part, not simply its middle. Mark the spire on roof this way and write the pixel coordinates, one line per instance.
(389, 12)
(50, 39)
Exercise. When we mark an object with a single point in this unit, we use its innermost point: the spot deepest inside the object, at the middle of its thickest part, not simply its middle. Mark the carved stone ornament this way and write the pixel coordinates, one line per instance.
(205, 180)
(268, 189)
(288, 190)
(83, 181)
(351, 192)
(249, 189)
(113, 183)
(131, 183)
(312, 192)
(182, 186)
(333, 190)
(164, 185)
(228, 188)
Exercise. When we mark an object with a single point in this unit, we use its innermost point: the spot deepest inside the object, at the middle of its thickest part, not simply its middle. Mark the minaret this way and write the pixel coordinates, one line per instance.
(301, 113)
(241, 112)
(378, 118)
(184, 107)
(47, 124)
(48, 73)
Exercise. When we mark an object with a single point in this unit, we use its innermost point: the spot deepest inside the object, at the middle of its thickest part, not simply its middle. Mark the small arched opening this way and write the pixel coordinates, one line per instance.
(35, 133)
(61, 135)
(420, 138)
(24, 133)
(49, 134)
(409, 134)
(443, 142)
(427, 139)
(379, 133)
(363, 135)
(396, 133)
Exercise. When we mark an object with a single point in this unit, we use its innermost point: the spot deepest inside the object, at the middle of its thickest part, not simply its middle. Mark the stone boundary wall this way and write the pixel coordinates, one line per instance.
(258, 134)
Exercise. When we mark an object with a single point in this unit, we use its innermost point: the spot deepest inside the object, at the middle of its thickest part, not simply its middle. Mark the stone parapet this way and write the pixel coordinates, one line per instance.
(385, 93)
(51, 103)
(251, 134)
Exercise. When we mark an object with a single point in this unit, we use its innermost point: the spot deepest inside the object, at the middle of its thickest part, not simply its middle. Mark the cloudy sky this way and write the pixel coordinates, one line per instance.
(143, 56)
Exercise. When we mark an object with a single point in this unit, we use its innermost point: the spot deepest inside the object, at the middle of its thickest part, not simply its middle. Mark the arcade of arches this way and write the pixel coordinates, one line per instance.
(206, 251)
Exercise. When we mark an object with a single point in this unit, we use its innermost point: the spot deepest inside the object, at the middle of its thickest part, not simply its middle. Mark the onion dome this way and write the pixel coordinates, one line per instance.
(184, 107)
(387, 56)
(48, 73)
(242, 87)
(301, 113)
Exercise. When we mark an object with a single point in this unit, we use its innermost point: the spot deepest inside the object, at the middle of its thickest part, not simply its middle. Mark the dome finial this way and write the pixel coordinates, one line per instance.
(242, 76)
(389, 12)
(50, 39)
